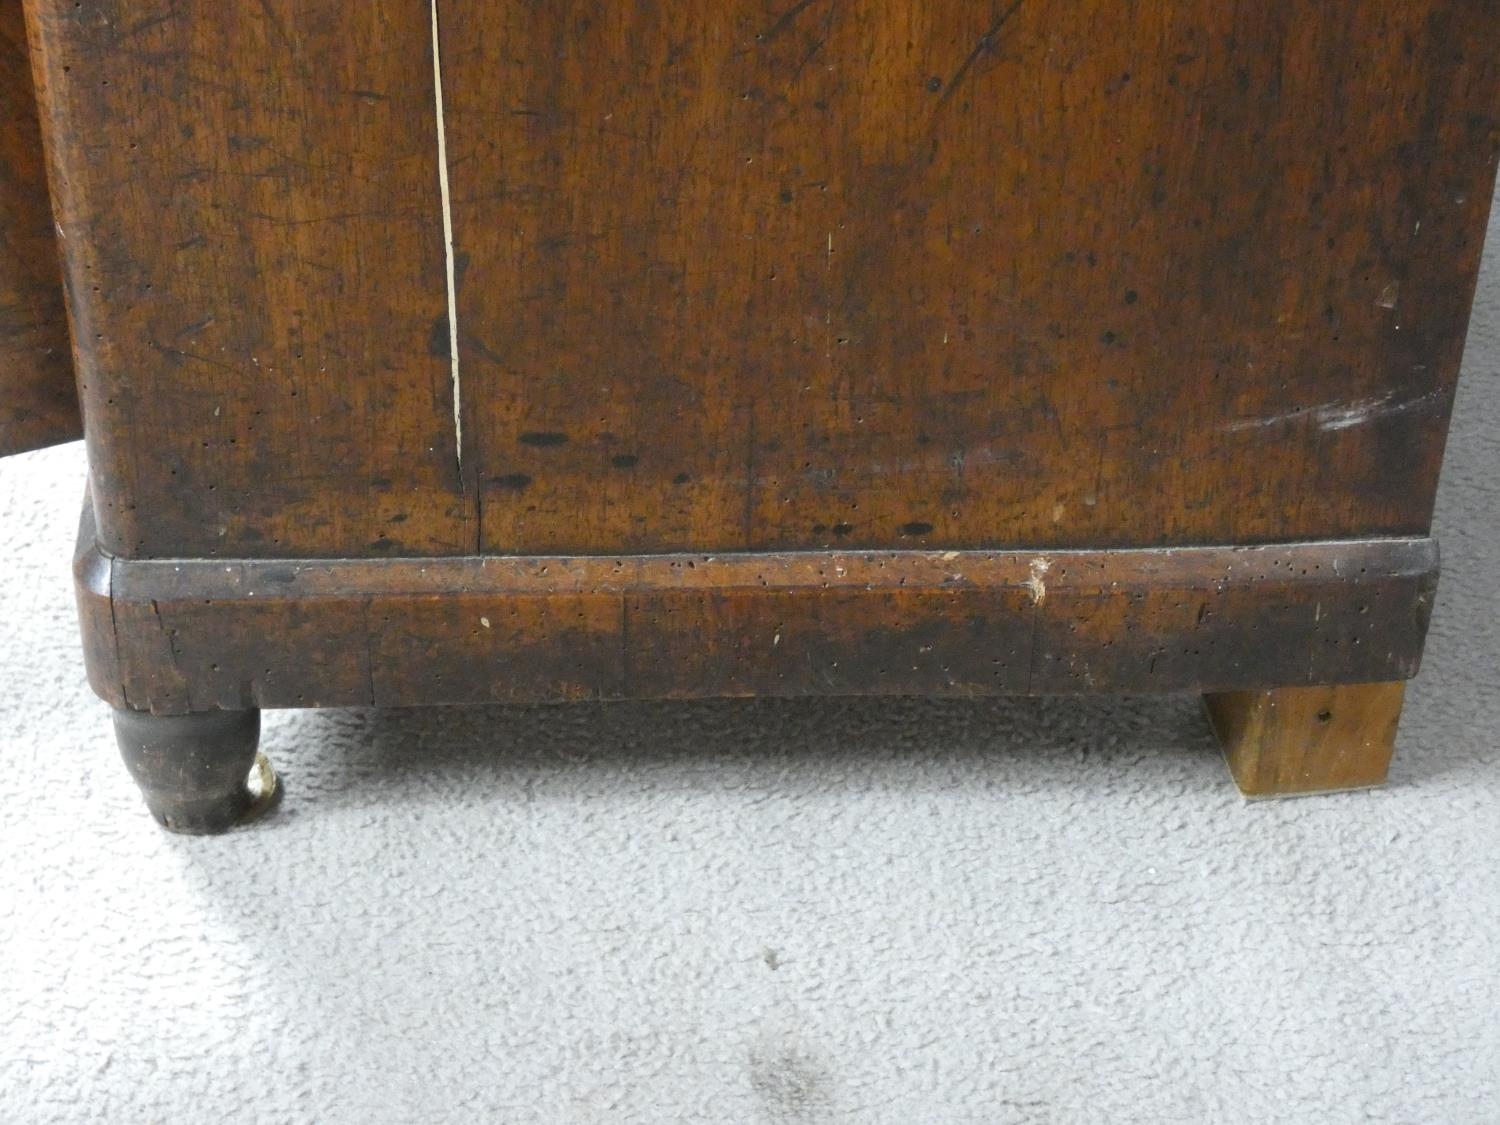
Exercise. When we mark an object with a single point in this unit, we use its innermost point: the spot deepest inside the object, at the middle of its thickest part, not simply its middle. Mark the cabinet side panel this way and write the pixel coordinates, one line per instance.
(754, 274)
(38, 401)
(248, 195)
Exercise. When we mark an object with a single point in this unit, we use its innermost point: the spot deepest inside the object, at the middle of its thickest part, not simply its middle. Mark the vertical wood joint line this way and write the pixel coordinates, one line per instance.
(114, 622)
(626, 676)
(450, 269)
(369, 652)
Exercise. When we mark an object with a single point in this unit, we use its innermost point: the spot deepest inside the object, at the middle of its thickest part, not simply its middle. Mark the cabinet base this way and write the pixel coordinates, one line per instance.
(187, 636)
(189, 650)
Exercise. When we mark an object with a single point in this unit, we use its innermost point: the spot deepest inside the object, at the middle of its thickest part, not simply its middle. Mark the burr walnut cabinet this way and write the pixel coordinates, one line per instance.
(452, 351)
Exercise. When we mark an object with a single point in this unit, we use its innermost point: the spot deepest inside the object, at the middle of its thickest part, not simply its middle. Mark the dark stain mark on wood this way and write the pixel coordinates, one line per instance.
(439, 342)
(513, 480)
(543, 439)
(624, 460)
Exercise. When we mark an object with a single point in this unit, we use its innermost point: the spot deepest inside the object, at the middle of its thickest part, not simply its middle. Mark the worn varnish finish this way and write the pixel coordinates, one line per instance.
(192, 636)
(1297, 740)
(249, 199)
(752, 275)
(760, 274)
(38, 401)
(496, 351)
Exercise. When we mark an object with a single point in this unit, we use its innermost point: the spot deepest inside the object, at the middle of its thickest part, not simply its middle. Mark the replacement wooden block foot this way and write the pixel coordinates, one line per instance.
(1294, 740)
(200, 774)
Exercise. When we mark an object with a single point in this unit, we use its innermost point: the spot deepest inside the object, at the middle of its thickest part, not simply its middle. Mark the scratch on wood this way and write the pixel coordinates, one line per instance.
(818, 44)
(275, 21)
(1333, 416)
(156, 21)
(784, 20)
(450, 260)
(985, 44)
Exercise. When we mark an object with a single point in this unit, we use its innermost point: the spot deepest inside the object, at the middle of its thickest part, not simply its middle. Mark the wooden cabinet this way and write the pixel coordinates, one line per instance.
(440, 352)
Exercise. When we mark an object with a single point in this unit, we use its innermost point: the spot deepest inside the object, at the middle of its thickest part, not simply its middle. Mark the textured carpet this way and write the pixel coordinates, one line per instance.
(913, 912)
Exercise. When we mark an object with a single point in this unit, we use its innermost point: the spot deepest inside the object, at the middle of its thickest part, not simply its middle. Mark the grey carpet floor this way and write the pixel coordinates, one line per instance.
(899, 911)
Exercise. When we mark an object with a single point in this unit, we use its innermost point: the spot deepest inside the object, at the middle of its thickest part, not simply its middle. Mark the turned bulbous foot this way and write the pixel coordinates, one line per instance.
(200, 774)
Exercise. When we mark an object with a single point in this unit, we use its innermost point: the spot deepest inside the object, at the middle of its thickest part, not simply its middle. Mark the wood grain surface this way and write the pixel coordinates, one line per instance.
(38, 400)
(1291, 741)
(253, 240)
(756, 274)
(764, 274)
(174, 636)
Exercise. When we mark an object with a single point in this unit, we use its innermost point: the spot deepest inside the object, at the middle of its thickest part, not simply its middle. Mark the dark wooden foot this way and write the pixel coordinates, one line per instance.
(1295, 740)
(195, 770)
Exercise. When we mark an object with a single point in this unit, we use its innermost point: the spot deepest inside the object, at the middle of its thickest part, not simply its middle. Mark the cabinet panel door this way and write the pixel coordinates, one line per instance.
(756, 274)
(38, 402)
